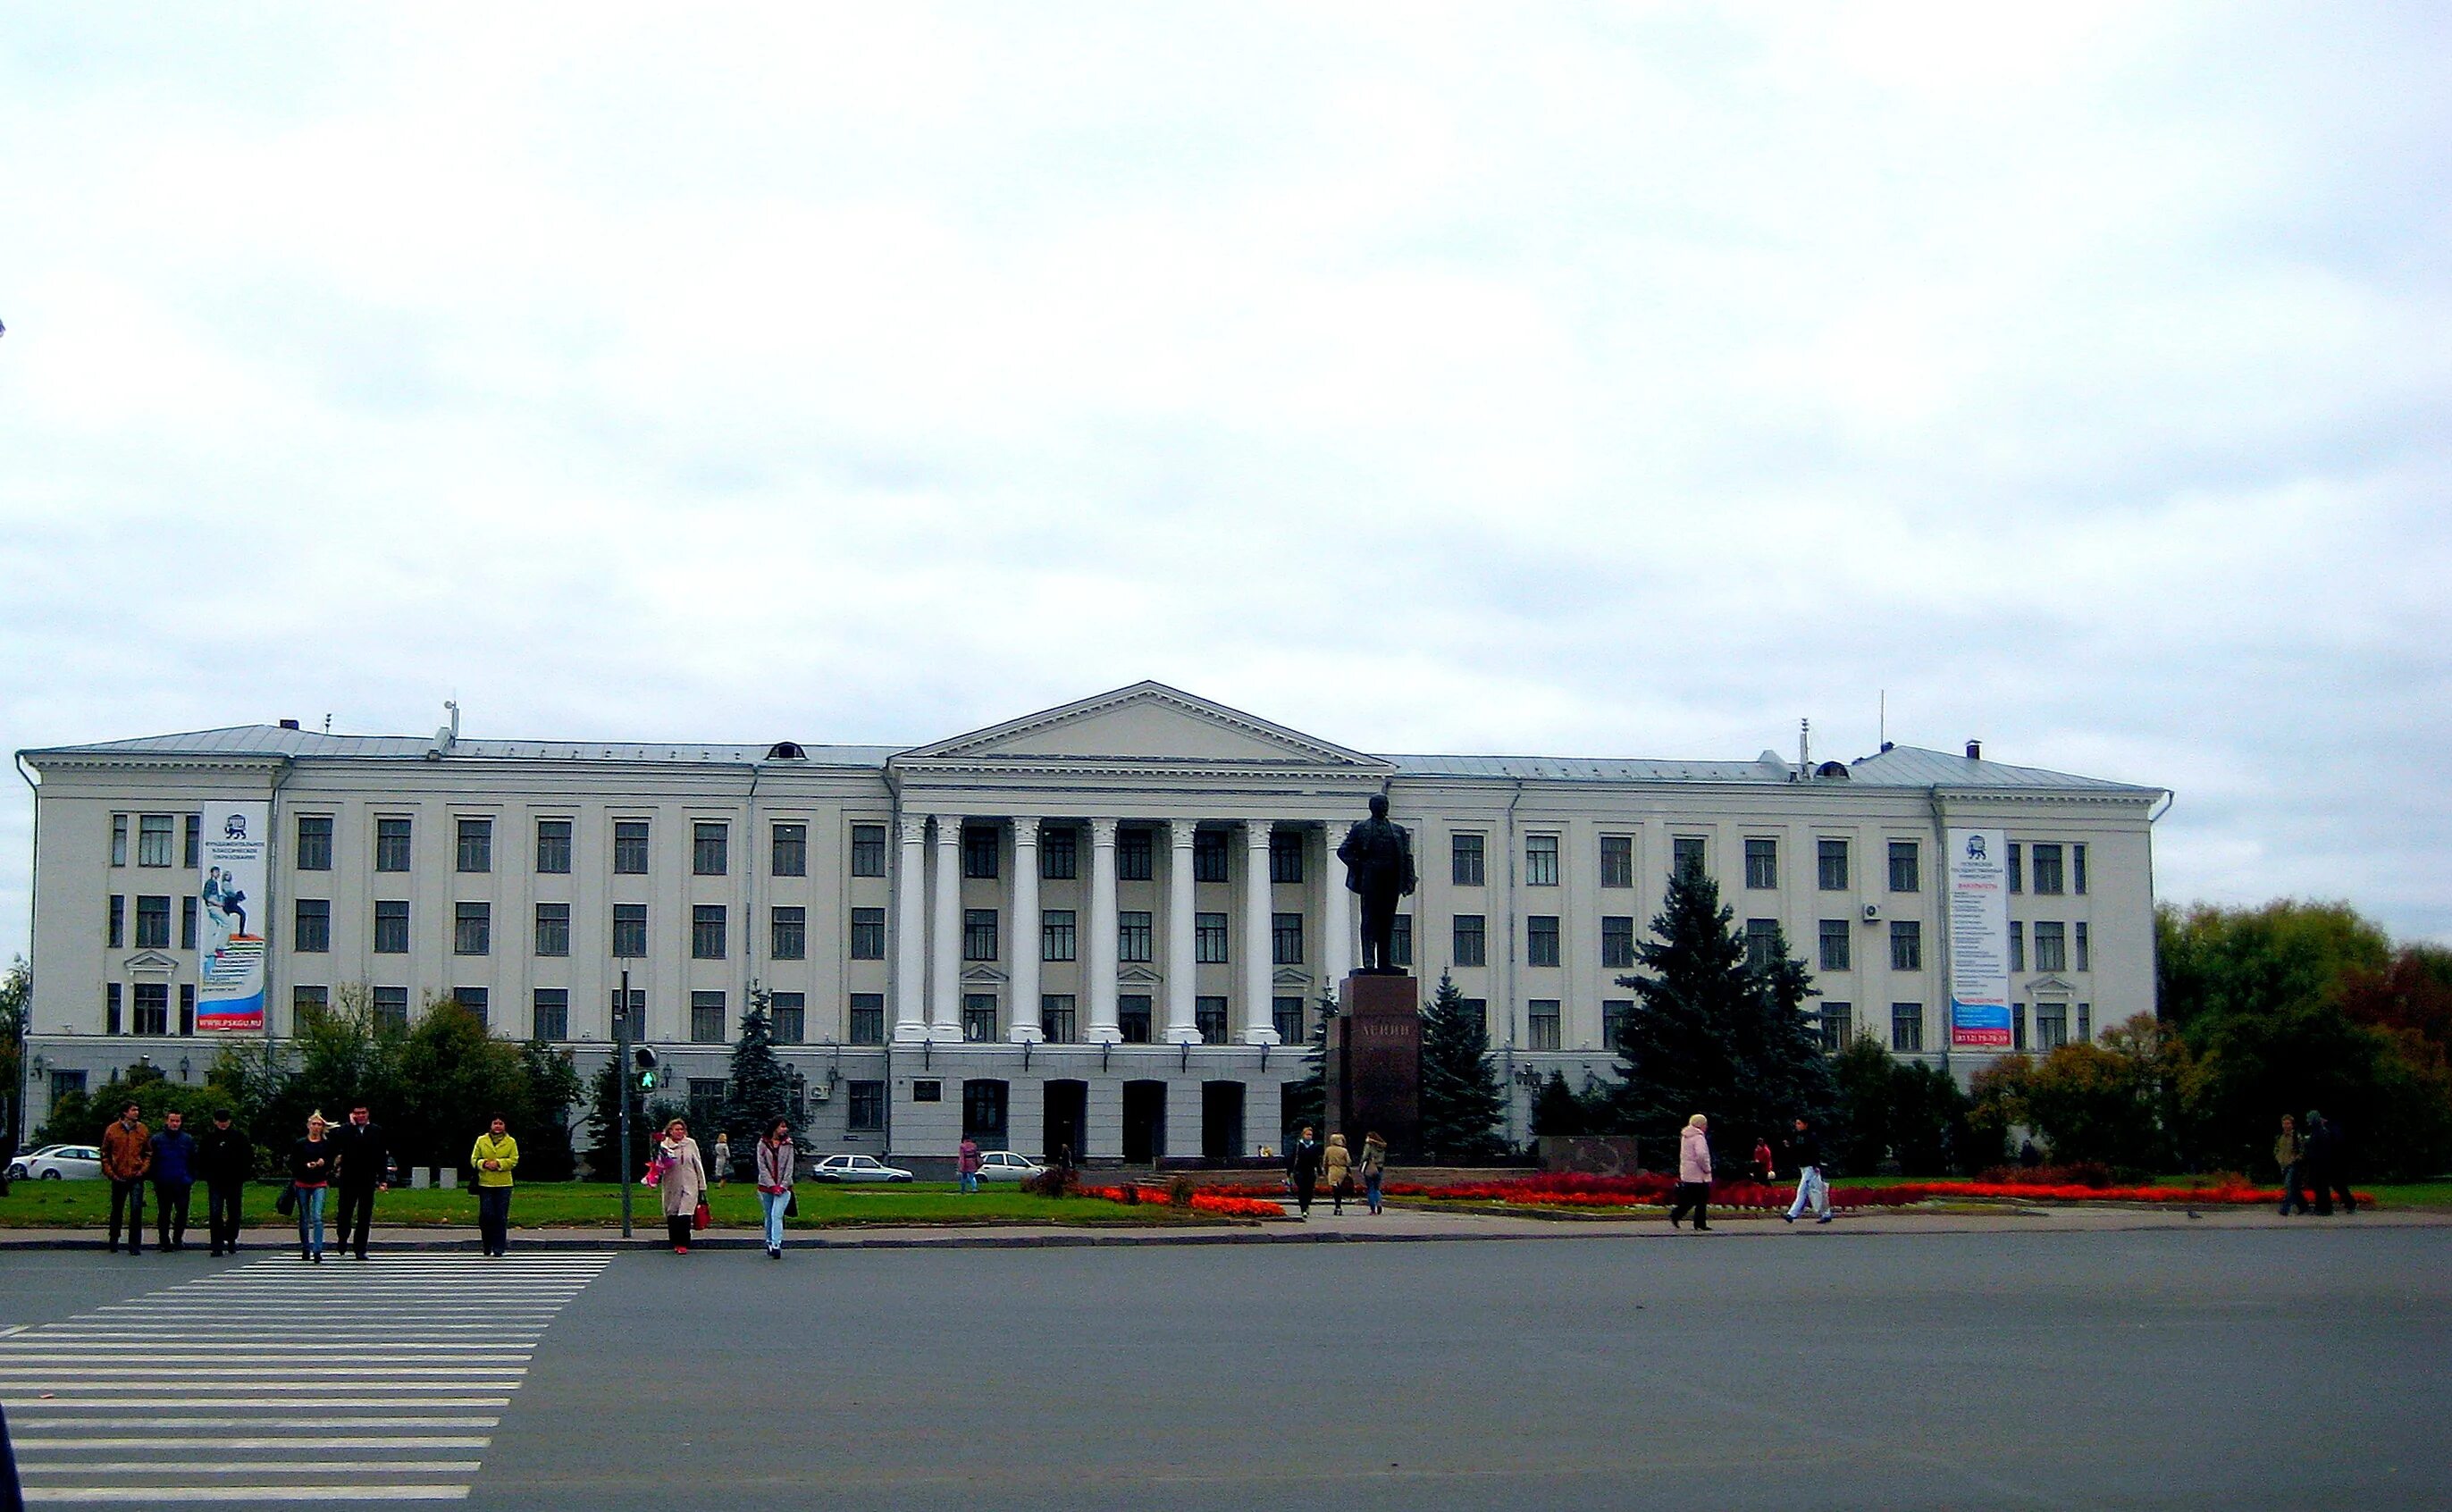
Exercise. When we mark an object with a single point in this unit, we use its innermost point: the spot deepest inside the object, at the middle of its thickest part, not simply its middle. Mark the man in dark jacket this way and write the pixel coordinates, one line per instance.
(1302, 1170)
(2327, 1168)
(1806, 1150)
(365, 1164)
(175, 1175)
(225, 1159)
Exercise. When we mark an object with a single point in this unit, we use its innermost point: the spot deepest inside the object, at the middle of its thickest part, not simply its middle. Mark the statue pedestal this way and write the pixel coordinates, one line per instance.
(1374, 1071)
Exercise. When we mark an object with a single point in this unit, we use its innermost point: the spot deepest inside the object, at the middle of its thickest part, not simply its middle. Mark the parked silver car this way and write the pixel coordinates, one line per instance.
(1007, 1166)
(857, 1169)
(54, 1163)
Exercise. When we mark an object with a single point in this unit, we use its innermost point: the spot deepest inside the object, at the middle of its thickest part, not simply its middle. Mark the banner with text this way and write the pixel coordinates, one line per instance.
(236, 840)
(1979, 940)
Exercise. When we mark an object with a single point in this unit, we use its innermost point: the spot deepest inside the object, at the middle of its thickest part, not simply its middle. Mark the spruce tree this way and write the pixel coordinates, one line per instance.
(1461, 1102)
(1556, 1109)
(759, 1090)
(1306, 1102)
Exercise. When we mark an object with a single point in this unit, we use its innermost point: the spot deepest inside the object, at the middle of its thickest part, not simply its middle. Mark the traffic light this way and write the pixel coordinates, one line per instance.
(643, 1077)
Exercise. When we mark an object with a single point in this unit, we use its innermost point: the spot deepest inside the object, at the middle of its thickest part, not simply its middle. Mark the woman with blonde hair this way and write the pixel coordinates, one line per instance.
(310, 1174)
(1693, 1174)
(680, 1173)
(1337, 1165)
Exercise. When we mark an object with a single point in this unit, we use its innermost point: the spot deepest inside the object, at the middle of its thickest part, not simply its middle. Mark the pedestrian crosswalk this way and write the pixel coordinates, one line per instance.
(276, 1382)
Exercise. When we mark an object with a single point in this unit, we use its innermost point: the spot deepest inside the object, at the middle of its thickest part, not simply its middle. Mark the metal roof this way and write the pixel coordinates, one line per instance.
(1900, 766)
(277, 741)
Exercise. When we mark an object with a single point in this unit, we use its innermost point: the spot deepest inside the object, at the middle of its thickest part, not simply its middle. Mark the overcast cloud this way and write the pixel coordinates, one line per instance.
(1613, 381)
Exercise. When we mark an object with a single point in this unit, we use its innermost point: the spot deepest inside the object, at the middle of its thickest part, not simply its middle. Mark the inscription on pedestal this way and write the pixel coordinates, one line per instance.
(1375, 1065)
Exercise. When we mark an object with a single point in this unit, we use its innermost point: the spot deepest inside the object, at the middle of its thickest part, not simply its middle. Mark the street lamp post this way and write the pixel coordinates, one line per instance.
(622, 1087)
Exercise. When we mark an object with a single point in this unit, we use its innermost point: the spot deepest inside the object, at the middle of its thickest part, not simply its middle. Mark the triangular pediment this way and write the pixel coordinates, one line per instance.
(1145, 722)
(150, 963)
(2051, 988)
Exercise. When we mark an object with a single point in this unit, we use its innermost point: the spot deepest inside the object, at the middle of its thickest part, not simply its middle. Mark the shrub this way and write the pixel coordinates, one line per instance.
(2074, 1173)
(1178, 1192)
(1056, 1180)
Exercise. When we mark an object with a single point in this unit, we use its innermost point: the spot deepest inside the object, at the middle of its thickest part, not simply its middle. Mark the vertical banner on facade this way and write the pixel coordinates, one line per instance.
(236, 843)
(1979, 940)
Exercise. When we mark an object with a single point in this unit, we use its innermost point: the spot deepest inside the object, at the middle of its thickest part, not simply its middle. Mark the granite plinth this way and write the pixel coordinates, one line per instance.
(1375, 1064)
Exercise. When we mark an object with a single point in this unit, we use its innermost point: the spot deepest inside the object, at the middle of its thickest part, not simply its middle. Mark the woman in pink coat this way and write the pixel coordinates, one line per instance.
(1693, 1174)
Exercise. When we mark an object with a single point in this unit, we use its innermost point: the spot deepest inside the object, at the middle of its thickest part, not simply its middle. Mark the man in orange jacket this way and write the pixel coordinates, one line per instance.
(126, 1156)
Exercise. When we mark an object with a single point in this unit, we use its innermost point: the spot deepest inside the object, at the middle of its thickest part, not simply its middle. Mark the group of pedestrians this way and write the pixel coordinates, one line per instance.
(1308, 1161)
(172, 1161)
(1693, 1191)
(354, 1159)
(2315, 1160)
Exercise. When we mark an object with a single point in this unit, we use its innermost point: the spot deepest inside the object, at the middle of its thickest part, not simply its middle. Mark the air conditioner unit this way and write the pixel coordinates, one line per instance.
(819, 1091)
(1872, 913)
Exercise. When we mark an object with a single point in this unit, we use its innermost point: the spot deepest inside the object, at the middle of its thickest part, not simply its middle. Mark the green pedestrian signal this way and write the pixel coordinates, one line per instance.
(644, 1076)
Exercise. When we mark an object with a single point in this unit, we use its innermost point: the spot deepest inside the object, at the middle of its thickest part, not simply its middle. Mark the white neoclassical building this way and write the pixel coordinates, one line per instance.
(1106, 927)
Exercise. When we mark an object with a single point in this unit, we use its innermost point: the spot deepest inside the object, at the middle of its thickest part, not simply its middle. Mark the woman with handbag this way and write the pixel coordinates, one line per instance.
(774, 1162)
(680, 1173)
(310, 1174)
(1375, 1167)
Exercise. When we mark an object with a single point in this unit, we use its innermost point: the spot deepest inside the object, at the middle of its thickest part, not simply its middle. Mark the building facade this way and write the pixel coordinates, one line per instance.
(1106, 928)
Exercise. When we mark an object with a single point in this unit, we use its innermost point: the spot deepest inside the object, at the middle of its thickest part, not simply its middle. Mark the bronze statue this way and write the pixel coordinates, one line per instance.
(1378, 857)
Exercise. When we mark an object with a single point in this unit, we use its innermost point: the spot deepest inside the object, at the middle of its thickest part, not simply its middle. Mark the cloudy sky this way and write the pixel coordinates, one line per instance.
(1591, 381)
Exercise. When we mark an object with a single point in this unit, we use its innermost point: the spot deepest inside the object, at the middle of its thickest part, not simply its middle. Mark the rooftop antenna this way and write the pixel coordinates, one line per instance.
(1805, 743)
(327, 724)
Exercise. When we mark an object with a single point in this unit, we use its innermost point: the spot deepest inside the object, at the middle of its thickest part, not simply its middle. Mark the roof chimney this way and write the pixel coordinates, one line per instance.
(289, 723)
(1975, 751)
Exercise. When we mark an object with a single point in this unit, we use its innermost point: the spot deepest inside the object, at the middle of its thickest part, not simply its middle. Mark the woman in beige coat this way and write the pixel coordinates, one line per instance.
(680, 1175)
(1337, 1165)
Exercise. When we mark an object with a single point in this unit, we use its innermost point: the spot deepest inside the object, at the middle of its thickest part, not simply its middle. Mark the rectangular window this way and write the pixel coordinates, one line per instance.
(980, 853)
(1057, 1019)
(391, 844)
(1465, 861)
(1059, 854)
(1468, 944)
(980, 934)
(1831, 864)
(868, 850)
(110, 1008)
(153, 842)
(634, 1014)
(2017, 945)
(2051, 1025)
(629, 931)
(706, 1104)
(1906, 1028)
(1834, 944)
(706, 1018)
(392, 1008)
(787, 933)
(868, 1018)
(1761, 942)
(553, 847)
(710, 848)
(1132, 855)
(1907, 945)
(1286, 1016)
(2017, 868)
(1838, 1025)
(2017, 1025)
(115, 929)
(314, 842)
(187, 923)
(472, 929)
(1906, 875)
(788, 1013)
(313, 935)
(707, 931)
(865, 1107)
(306, 1002)
(868, 934)
(980, 1016)
(153, 923)
(1209, 1017)
(1541, 860)
(1686, 856)
(2083, 954)
(192, 851)
(1400, 940)
(1542, 940)
(549, 1013)
(1056, 934)
(1209, 855)
(1285, 855)
(788, 856)
(1618, 860)
(474, 850)
(553, 930)
(152, 1008)
(1541, 1023)
(629, 847)
(2077, 874)
(2052, 945)
(2085, 1023)
(1209, 938)
(1133, 1018)
(2048, 870)
(391, 927)
(1762, 862)
(1286, 939)
(1616, 1013)
(472, 998)
(1133, 934)
(1477, 1011)
(119, 839)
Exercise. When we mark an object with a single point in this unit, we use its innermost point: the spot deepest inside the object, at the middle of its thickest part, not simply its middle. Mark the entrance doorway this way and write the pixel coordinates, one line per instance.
(1144, 1123)
(1068, 1114)
(1221, 1120)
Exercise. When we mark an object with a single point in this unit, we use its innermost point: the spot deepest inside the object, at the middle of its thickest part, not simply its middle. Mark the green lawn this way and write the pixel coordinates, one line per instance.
(544, 1205)
(2388, 1194)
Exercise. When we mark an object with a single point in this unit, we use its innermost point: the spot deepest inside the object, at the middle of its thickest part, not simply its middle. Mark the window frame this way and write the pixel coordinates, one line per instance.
(1544, 940)
(1762, 862)
(472, 845)
(314, 854)
(1467, 859)
(865, 938)
(1831, 863)
(788, 848)
(1541, 861)
(787, 931)
(552, 930)
(1469, 939)
(1618, 860)
(556, 841)
(710, 932)
(710, 847)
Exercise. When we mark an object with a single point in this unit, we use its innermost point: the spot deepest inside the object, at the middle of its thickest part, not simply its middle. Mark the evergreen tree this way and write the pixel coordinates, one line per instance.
(1307, 1100)
(759, 1090)
(1556, 1109)
(1461, 1101)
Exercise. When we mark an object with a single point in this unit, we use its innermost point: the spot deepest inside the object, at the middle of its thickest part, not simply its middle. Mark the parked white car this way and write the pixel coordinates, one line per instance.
(1006, 1166)
(54, 1163)
(857, 1169)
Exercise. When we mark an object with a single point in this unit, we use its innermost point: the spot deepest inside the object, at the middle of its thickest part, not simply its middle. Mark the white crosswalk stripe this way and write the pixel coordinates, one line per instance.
(275, 1384)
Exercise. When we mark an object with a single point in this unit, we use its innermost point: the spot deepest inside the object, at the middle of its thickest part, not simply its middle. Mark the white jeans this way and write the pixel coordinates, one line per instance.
(1811, 1188)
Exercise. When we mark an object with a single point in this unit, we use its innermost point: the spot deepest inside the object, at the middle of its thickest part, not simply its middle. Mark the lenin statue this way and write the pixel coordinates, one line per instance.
(1378, 857)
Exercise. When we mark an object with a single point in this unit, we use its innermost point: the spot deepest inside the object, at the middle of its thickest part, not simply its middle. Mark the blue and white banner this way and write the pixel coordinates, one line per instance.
(1979, 940)
(230, 999)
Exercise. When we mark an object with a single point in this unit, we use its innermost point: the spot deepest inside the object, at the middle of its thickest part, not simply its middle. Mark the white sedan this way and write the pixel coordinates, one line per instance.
(1006, 1166)
(52, 1162)
(857, 1169)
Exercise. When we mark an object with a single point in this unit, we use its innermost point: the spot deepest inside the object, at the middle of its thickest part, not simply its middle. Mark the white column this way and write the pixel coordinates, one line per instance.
(945, 952)
(1023, 934)
(1182, 1019)
(1335, 914)
(1098, 951)
(911, 931)
(1259, 1023)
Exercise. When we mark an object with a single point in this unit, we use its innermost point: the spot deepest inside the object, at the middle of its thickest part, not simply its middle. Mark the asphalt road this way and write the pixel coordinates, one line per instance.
(2176, 1368)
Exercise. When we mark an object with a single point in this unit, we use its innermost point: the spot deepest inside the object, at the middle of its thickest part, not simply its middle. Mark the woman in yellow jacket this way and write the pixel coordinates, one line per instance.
(1337, 1165)
(494, 1158)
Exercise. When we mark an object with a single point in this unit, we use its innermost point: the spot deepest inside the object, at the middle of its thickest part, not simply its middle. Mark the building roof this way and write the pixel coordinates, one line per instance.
(1899, 766)
(275, 741)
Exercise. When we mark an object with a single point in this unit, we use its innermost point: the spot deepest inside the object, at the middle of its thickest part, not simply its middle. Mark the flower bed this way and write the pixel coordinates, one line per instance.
(1568, 1191)
(1216, 1202)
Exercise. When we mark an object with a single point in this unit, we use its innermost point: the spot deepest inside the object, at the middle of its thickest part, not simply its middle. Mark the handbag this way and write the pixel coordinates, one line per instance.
(286, 1203)
(791, 1204)
(700, 1219)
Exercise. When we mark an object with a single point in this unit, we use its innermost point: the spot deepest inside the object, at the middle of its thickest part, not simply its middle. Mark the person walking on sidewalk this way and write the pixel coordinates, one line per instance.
(2290, 1154)
(1694, 1175)
(310, 1172)
(363, 1162)
(966, 1164)
(681, 1174)
(722, 1156)
(2329, 1165)
(225, 1159)
(1810, 1187)
(1375, 1167)
(495, 1156)
(1336, 1163)
(775, 1162)
(127, 1155)
(1764, 1171)
(1302, 1170)
(174, 1176)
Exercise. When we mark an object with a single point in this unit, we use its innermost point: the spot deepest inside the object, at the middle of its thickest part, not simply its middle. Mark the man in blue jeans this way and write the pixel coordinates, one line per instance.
(1811, 1187)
